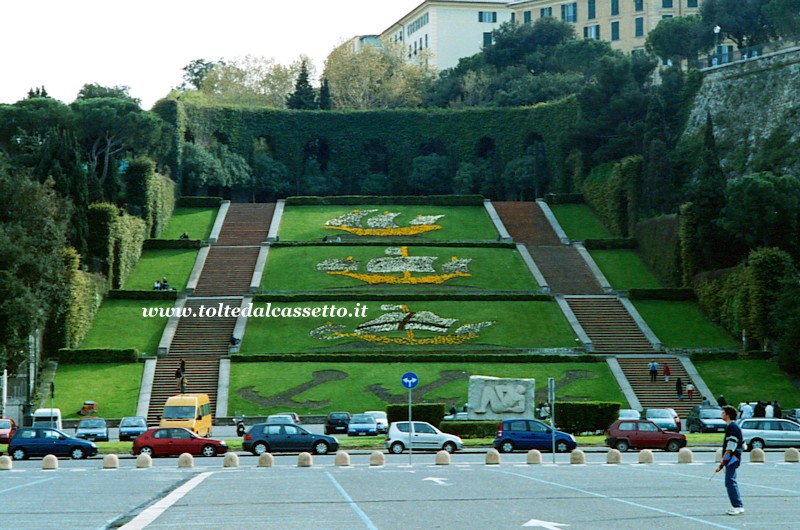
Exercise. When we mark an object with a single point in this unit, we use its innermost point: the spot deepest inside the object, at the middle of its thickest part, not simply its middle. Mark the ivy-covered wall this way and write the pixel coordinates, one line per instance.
(116, 240)
(153, 193)
(612, 190)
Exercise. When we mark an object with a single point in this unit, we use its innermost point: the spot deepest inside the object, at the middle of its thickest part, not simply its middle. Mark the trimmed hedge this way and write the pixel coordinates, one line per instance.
(512, 356)
(153, 193)
(129, 238)
(470, 243)
(470, 429)
(116, 239)
(564, 198)
(731, 355)
(373, 295)
(659, 247)
(172, 244)
(84, 295)
(429, 412)
(199, 202)
(89, 356)
(120, 294)
(675, 295)
(578, 417)
(611, 191)
(435, 200)
(609, 244)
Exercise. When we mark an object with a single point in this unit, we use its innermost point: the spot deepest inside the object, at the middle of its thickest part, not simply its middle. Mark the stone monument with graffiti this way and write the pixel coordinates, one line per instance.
(494, 398)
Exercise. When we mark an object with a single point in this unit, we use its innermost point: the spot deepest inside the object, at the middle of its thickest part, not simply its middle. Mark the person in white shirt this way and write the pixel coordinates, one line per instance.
(747, 411)
(769, 411)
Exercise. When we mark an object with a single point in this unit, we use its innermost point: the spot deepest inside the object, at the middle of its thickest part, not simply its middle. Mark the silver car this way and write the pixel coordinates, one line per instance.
(759, 433)
(424, 436)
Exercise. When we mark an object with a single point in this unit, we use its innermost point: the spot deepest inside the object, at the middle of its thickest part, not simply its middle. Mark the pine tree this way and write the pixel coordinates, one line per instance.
(304, 96)
(325, 96)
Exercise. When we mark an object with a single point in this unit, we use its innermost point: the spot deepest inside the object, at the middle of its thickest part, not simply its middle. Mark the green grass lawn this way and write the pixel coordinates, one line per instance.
(683, 325)
(294, 268)
(624, 269)
(749, 381)
(459, 222)
(120, 324)
(197, 222)
(115, 388)
(517, 325)
(364, 386)
(175, 264)
(579, 222)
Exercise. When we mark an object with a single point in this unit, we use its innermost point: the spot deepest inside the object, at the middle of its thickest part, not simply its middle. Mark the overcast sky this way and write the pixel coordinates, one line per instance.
(64, 44)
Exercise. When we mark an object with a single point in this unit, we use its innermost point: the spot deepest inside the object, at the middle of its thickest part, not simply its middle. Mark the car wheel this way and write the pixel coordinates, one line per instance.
(260, 448)
(397, 448)
(562, 447)
(209, 450)
(77, 453)
(146, 450)
(756, 443)
(19, 454)
(623, 446)
(673, 446)
(450, 447)
(507, 446)
(321, 448)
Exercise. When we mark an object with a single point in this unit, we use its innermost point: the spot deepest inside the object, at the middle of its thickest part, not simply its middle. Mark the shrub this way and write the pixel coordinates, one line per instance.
(429, 412)
(89, 356)
(116, 240)
(119, 294)
(153, 193)
(578, 417)
(178, 244)
(470, 429)
(355, 200)
(564, 198)
(611, 190)
(376, 295)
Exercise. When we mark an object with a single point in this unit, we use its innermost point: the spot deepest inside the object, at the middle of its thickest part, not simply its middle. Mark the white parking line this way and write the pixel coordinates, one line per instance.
(28, 484)
(152, 512)
(367, 521)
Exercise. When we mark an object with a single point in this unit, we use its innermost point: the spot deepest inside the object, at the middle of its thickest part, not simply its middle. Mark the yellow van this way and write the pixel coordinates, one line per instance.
(192, 411)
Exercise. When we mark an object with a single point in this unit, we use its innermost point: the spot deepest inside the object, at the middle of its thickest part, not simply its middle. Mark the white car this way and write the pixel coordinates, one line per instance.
(381, 419)
(280, 418)
(425, 437)
(759, 433)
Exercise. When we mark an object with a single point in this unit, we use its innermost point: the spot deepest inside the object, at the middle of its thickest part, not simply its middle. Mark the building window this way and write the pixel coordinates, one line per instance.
(614, 8)
(592, 32)
(569, 12)
(615, 31)
(691, 3)
(487, 16)
(591, 9)
(417, 24)
(664, 17)
(638, 5)
(638, 27)
(513, 17)
(546, 12)
(426, 40)
(487, 38)
(666, 4)
(526, 17)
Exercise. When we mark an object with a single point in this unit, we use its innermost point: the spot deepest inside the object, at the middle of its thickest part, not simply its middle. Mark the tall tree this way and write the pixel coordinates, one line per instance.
(325, 101)
(680, 38)
(195, 73)
(742, 21)
(250, 81)
(304, 96)
(93, 90)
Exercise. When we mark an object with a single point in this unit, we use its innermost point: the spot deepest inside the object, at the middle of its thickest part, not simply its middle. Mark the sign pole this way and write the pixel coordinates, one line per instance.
(409, 381)
(551, 397)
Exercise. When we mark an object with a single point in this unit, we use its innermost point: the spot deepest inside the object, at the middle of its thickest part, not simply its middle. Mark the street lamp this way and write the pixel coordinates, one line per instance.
(716, 44)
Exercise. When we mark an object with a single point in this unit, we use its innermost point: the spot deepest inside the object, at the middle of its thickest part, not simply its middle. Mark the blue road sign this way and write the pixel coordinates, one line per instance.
(409, 380)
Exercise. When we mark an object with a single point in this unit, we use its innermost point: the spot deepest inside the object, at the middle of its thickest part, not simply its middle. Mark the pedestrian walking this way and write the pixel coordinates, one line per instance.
(178, 377)
(769, 410)
(721, 401)
(776, 407)
(666, 373)
(690, 390)
(653, 366)
(759, 410)
(747, 411)
(184, 383)
(732, 446)
(182, 366)
(679, 389)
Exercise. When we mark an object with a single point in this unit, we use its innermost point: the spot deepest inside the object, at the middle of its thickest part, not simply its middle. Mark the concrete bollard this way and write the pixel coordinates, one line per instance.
(377, 458)
(614, 457)
(685, 456)
(534, 457)
(492, 457)
(342, 459)
(186, 460)
(144, 461)
(577, 456)
(266, 460)
(50, 462)
(646, 456)
(757, 456)
(442, 458)
(230, 460)
(5, 463)
(792, 455)
(111, 462)
(304, 460)
(718, 456)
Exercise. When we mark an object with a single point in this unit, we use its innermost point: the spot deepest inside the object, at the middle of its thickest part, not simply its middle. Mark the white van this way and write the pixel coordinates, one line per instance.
(47, 418)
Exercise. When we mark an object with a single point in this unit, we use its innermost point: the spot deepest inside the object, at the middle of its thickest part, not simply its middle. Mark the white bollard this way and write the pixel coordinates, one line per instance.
(534, 457)
(304, 460)
(757, 456)
(685, 456)
(186, 460)
(614, 457)
(577, 456)
(50, 462)
(792, 455)
(646, 456)
(230, 460)
(377, 458)
(111, 462)
(144, 461)
(5, 463)
(442, 458)
(266, 460)
(342, 459)
(492, 457)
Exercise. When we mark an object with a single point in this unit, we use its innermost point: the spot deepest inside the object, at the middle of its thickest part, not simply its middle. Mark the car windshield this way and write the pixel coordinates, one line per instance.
(362, 418)
(338, 416)
(93, 423)
(659, 414)
(711, 414)
(174, 412)
(5, 424)
(378, 415)
(133, 422)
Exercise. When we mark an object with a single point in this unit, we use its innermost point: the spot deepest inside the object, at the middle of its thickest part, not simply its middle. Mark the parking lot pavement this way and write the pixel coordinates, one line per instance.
(465, 494)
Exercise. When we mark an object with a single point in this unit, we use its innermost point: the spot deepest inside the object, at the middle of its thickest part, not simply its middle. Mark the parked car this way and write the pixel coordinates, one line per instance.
(92, 428)
(7, 429)
(667, 419)
(337, 422)
(642, 434)
(362, 425)
(295, 417)
(132, 426)
(526, 434)
(425, 437)
(759, 433)
(705, 419)
(42, 441)
(280, 418)
(172, 441)
(381, 419)
(792, 414)
(629, 414)
(283, 437)
(458, 416)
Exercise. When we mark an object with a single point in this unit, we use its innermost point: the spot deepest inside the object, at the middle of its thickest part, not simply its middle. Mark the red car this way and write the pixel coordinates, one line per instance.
(176, 441)
(7, 429)
(642, 434)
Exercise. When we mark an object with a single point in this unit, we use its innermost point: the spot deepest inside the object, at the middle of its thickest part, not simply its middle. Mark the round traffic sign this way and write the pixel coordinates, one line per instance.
(409, 380)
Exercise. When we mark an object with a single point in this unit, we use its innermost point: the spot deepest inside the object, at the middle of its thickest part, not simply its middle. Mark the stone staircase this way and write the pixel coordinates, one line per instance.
(565, 270)
(659, 394)
(611, 328)
(246, 224)
(526, 223)
(227, 271)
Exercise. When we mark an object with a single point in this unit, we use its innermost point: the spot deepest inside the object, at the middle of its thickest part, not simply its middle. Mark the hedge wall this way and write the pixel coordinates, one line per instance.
(659, 247)
(357, 143)
(722, 295)
(393, 296)
(119, 294)
(116, 240)
(199, 202)
(611, 189)
(506, 356)
(154, 194)
(129, 238)
(436, 200)
(609, 244)
(679, 295)
(470, 429)
(178, 244)
(585, 416)
(382, 242)
(106, 355)
(564, 198)
(430, 412)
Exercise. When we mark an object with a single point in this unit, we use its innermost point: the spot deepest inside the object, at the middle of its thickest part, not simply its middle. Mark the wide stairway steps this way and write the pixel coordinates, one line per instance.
(246, 224)
(228, 271)
(526, 223)
(611, 328)
(659, 394)
(565, 270)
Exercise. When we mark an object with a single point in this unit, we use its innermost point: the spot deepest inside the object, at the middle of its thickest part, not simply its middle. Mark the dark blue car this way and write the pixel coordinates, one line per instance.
(43, 441)
(286, 437)
(525, 434)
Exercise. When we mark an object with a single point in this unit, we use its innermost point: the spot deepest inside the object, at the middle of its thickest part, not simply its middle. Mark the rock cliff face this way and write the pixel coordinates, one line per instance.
(750, 101)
